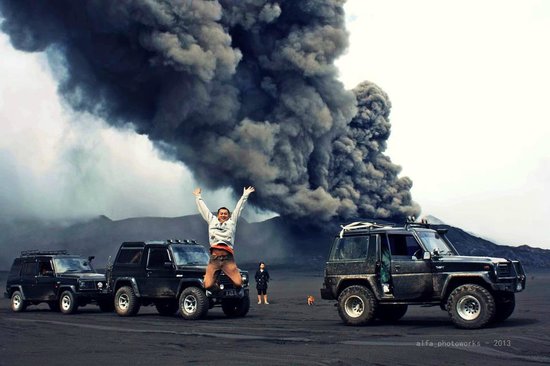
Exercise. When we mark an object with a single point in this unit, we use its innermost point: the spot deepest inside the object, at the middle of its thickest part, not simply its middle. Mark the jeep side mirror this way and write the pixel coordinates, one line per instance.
(427, 255)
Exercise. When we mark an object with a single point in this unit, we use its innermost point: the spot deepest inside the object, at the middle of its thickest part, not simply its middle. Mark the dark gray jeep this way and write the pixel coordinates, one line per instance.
(61, 280)
(376, 271)
(169, 274)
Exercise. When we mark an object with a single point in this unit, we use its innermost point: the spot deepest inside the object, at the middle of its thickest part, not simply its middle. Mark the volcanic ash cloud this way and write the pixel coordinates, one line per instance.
(243, 92)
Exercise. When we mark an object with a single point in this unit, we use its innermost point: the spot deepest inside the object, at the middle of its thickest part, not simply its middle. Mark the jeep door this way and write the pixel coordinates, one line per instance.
(160, 274)
(45, 281)
(29, 273)
(411, 277)
(349, 257)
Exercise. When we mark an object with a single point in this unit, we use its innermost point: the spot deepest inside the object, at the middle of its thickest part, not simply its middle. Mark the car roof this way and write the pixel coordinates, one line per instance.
(142, 244)
(365, 228)
(47, 254)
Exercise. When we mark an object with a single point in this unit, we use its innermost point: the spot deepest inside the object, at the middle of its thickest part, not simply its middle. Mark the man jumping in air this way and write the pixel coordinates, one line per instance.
(221, 235)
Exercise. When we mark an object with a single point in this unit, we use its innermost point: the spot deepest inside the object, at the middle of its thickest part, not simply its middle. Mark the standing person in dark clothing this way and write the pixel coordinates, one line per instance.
(262, 278)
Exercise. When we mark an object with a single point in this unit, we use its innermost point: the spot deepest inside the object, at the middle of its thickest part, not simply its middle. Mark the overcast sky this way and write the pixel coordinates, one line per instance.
(468, 83)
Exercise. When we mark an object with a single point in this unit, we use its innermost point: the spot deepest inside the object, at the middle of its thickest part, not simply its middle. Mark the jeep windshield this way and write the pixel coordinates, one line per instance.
(435, 243)
(187, 255)
(63, 265)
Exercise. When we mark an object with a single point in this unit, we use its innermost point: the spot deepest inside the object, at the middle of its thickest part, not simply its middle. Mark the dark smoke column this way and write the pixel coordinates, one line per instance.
(243, 92)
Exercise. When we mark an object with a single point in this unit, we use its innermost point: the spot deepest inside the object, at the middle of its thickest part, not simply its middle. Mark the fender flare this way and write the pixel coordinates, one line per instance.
(17, 288)
(478, 275)
(62, 288)
(132, 282)
(187, 282)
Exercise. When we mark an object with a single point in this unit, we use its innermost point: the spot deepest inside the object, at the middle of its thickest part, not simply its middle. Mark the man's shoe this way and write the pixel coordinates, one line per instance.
(259, 302)
(240, 292)
(266, 303)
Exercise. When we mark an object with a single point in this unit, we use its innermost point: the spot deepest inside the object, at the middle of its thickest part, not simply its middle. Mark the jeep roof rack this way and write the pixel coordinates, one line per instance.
(179, 241)
(360, 225)
(28, 253)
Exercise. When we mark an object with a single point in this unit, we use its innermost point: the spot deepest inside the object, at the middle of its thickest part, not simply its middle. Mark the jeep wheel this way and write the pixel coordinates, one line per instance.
(54, 306)
(471, 306)
(17, 302)
(390, 313)
(167, 307)
(236, 308)
(126, 302)
(505, 305)
(357, 305)
(106, 306)
(67, 303)
(193, 303)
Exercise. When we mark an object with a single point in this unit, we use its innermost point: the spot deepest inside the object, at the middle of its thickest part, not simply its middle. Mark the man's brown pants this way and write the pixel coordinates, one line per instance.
(222, 260)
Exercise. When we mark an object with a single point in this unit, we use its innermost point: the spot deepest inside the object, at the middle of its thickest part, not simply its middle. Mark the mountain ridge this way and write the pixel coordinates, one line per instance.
(277, 240)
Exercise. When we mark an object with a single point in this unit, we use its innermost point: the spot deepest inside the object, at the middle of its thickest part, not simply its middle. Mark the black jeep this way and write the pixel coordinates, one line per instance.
(169, 274)
(376, 271)
(63, 281)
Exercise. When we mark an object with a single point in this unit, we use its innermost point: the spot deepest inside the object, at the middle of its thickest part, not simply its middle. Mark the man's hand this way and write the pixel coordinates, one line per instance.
(248, 190)
(197, 192)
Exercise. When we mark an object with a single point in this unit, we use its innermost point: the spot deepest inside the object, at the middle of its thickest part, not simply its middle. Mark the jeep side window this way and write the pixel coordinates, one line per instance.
(350, 248)
(403, 245)
(130, 256)
(29, 269)
(15, 268)
(157, 257)
(45, 267)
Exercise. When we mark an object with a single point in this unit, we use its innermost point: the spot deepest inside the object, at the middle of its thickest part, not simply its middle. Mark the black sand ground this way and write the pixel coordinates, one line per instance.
(286, 332)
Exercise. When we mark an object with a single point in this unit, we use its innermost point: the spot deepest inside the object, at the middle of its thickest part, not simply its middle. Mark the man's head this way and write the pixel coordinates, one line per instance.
(223, 214)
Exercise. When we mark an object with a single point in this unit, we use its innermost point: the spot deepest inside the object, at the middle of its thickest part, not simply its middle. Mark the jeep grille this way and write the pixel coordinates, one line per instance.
(88, 285)
(504, 270)
(226, 281)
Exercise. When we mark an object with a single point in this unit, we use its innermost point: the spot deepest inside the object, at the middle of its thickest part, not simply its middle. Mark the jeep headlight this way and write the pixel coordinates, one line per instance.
(244, 278)
(100, 285)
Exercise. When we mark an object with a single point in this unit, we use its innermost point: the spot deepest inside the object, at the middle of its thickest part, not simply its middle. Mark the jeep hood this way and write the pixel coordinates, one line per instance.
(469, 259)
(83, 276)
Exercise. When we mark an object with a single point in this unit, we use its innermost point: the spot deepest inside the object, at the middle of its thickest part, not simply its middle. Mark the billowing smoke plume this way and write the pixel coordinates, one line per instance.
(243, 92)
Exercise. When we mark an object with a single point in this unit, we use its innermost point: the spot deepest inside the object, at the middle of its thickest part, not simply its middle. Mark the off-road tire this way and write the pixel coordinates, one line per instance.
(193, 303)
(167, 308)
(235, 308)
(390, 313)
(357, 305)
(68, 303)
(505, 305)
(106, 306)
(471, 306)
(126, 301)
(17, 303)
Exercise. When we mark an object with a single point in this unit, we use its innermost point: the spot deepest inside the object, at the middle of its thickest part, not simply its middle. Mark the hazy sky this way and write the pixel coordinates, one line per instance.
(468, 83)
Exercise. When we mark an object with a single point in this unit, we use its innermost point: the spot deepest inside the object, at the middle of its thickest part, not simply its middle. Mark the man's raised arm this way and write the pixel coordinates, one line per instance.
(203, 210)
(240, 204)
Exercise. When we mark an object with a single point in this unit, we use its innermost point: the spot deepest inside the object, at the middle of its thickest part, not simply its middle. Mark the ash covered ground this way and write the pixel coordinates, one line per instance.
(285, 332)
